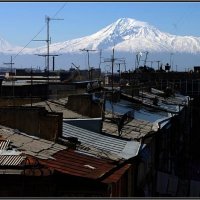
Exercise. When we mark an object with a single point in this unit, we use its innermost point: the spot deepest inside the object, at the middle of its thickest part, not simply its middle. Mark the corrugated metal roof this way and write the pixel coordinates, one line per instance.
(4, 144)
(108, 144)
(64, 161)
(77, 164)
(167, 105)
(28, 145)
(171, 104)
(176, 99)
(68, 161)
(11, 160)
(9, 157)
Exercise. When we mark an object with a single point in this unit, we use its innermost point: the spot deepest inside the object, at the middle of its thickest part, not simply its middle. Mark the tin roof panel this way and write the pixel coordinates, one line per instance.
(102, 142)
(4, 144)
(77, 164)
(29, 145)
(11, 160)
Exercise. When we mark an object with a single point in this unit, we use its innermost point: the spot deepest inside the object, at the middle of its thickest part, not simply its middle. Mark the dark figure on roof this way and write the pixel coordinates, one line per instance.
(124, 119)
(155, 101)
(168, 92)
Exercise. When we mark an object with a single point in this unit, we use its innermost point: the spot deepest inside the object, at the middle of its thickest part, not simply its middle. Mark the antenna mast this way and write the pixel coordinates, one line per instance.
(47, 20)
(11, 69)
(89, 68)
(100, 56)
(48, 38)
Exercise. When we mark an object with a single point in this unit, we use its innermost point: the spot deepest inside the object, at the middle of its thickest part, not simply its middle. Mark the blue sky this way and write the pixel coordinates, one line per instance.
(21, 21)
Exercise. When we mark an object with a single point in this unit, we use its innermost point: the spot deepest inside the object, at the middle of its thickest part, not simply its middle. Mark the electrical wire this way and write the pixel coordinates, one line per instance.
(29, 42)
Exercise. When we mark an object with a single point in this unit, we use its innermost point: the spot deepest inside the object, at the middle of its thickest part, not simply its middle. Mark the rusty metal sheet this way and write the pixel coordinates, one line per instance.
(115, 176)
(77, 164)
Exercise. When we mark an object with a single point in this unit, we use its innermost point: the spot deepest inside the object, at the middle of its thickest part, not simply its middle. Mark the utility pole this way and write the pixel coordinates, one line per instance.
(31, 85)
(119, 74)
(145, 60)
(138, 56)
(112, 60)
(100, 63)
(53, 55)
(171, 54)
(88, 54)
(47, 20)
(10, 63)
(11, 69)
(158, 61)
(77, 69)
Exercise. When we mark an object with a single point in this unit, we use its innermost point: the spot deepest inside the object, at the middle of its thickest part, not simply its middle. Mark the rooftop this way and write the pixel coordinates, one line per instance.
(59, 106)
(51, 156)
(102, 145)
(30, 145)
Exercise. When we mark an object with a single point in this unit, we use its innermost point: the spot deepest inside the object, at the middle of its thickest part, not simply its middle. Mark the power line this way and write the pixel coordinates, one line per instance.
(60, 9)
(30, 41)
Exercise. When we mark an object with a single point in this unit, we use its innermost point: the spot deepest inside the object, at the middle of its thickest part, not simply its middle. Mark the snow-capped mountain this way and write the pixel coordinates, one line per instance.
(128, 35)
(7, 48)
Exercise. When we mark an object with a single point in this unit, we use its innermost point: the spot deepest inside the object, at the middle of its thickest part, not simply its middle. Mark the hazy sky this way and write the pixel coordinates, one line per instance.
(21, 21)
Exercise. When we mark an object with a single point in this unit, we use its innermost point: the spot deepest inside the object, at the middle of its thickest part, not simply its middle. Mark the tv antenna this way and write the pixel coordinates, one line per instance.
(48, 39)
(88, 54)
(100, 58)
(112, 60)
(50, 55)
(11, 69)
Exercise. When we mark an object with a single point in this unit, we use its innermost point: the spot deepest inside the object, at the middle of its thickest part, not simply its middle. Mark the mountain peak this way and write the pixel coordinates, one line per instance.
(131, 22)
(126, 34)
(127, 27)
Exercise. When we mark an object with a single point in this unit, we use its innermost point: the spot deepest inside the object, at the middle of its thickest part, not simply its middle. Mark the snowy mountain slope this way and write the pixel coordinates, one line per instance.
(7, 48)
(126, 35)
(129, 35)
